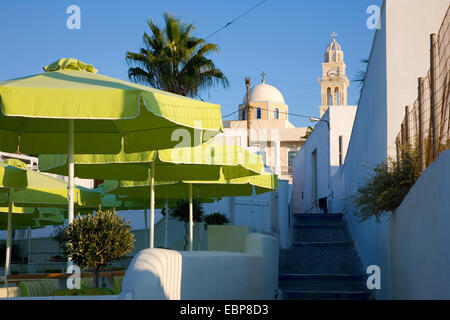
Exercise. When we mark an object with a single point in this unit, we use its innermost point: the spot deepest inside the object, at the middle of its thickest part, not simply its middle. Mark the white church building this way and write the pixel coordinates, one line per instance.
(322, 155)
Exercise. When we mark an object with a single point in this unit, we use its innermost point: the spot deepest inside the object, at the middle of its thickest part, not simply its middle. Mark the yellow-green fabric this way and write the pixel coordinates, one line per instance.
(12, 177)
(37, 108)
(69, 64)
(38, 218)
(201, 189)
(45, 191)
(201, 163)
(117, 284)
(38, 288)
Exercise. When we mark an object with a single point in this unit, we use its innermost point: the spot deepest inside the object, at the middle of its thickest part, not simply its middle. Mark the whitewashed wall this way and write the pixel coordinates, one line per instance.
(199, 275)
(399, 55)
(303, 173)
(420, 238)
(267, 213)
(326, 141)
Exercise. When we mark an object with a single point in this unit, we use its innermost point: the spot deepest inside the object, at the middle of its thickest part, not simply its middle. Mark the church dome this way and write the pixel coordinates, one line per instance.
(264, 92)
(334, 46)
(334, 52)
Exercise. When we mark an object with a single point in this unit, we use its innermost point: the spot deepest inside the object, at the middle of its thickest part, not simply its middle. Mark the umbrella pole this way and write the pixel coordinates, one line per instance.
(8, 244)
(146, 224)
(152, 205)
(70, 162)
(191, 219)
(29, 248)
(166, 222)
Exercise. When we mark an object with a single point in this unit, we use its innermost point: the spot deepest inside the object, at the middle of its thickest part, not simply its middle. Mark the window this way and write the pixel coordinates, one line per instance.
(258, 113)
(291, 158)
(243, 114)
(340, 150)
(277, 113)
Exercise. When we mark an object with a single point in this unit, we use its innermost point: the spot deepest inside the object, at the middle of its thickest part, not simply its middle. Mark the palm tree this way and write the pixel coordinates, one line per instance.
(360, 77)
(175, 61)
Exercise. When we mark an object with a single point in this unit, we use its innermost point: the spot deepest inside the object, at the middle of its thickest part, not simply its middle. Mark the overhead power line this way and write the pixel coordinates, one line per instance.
(235, 19)
(280, 112)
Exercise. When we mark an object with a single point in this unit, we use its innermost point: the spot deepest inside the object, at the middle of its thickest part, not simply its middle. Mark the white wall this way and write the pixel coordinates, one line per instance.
(326, 141)
(420, 238)
(303, 173)
(198, 275)
(266, 213)
(409, 24)
(399, 55)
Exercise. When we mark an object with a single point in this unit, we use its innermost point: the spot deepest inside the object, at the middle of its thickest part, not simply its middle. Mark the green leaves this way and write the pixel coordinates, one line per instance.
(92, 242)
(175, 61)
(386, 189)
(216, 218)
(181, 213)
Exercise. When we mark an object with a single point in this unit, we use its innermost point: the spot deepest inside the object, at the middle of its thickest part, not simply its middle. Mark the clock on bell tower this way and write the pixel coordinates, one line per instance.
(334, 82)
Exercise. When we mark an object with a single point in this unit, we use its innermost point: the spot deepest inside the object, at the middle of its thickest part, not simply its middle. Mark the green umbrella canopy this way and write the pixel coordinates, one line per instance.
(45, 191)
(12, 177)
(123, 203)
(201, 163)
(36, 110)
(37, 218)
(206, 189)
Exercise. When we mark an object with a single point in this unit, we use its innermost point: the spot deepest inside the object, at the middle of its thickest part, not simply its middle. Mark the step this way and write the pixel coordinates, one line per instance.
(325, 295)
(336, 216)
(321, 235)
(319, 285)
(322, 244)
(321, 277)
(314, 219)
(324, 226)
(320, 260)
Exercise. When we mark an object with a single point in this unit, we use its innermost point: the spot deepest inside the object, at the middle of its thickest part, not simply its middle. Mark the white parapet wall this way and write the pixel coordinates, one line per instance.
(420, 238)
(160, 274)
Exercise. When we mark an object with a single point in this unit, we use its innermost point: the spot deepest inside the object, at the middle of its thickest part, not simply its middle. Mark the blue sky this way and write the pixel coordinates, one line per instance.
(284, 38)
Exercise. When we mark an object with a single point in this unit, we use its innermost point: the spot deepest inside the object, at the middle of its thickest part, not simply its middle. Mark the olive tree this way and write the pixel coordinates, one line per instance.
(93, 241)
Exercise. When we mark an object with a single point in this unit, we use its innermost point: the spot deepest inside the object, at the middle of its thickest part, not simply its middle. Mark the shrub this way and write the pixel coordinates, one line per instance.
(181, 213)
(92, 242)
(388, 186)
(216, 218)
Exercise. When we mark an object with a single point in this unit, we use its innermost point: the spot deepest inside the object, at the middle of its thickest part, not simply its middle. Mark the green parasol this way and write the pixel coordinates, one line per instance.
(71, 109)
(206, 189)
(205, 162)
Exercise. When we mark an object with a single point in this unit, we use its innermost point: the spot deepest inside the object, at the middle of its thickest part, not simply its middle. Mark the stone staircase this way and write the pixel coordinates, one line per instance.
(322, 263)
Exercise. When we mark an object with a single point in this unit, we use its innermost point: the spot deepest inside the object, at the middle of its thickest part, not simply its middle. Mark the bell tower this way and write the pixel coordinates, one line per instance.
(334, 82)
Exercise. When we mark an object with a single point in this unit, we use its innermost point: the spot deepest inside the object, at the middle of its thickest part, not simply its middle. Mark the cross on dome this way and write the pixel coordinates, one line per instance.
(263, 75)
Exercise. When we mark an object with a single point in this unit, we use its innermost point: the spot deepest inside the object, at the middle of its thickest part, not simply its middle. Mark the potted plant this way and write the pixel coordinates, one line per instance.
(92, 242)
